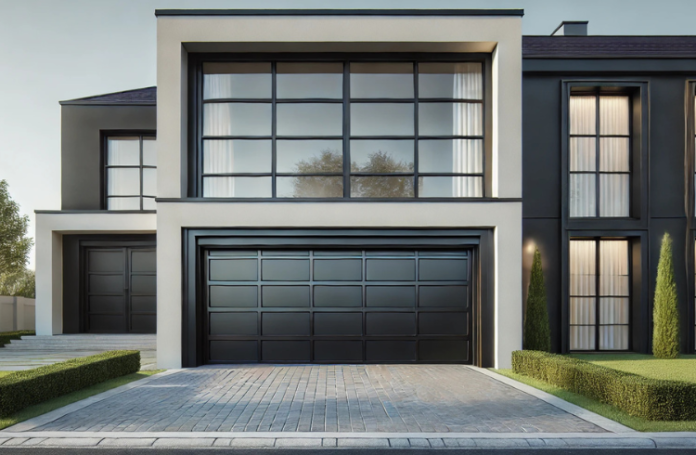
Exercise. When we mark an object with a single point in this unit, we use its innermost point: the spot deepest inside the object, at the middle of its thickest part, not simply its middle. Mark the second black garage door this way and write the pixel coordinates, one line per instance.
(348, 306)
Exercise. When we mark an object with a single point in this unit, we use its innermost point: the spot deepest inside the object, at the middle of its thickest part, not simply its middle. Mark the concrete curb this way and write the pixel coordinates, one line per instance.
(584, 414)
(30, 424)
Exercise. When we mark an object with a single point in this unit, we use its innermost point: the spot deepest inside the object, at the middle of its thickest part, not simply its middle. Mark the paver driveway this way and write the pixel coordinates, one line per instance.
(323, 398)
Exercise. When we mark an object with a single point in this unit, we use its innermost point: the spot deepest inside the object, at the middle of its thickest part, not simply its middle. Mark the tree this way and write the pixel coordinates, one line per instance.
(22, 284)
(329, 161)
(537, 333)
(14, 245)
(665, 308)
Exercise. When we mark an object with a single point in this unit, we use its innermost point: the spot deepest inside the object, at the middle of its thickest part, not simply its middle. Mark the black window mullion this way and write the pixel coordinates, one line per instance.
(274, 119)
(346, 129)
(415, 130)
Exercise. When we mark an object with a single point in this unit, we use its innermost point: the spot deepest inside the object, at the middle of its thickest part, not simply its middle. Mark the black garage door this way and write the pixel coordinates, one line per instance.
(120, 293)
(349, 306)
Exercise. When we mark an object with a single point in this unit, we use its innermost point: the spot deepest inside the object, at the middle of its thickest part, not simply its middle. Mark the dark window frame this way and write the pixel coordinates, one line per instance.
(105, 166)
(196, 138)
(597, 296)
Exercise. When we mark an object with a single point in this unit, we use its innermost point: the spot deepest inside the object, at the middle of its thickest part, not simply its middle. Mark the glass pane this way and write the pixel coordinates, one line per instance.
(450, 119)
(123, 182)
(381, 80)
(381, 156)
(381, 187)
(149, 203)
(583, 114)
(582, 338)
(613, 268)
(149, 182)
(450, 187)
(236, 80)
(309, 157)
(613, 310)
(613, 338)
(237, 119)
(309, 80)
(614, 197)
(230, 156)
(613, 115)
(237, 187)
(123, 151)
(582, 267)
(123, 203)
(310, 119)
(613, 154)
(582, 310)
(375, 119)
(582, 195)
(309, 186)
(149, 151)
(450, 80)
(458, 156)
(583, 154)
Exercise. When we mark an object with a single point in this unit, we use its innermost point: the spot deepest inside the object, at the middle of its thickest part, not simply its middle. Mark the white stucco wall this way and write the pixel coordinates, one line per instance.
(50, 228)
(501, 36)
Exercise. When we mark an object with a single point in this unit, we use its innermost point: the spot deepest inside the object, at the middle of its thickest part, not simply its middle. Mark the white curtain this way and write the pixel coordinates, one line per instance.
(613, 283)
(218, 187)
(123, 182)
(581, 192)
(583, 275)
(218, 158)
(583, 115)
(467, 155)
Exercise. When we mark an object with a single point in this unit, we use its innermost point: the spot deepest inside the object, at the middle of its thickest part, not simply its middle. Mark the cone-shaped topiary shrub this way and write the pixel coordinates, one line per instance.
(537, 333)
(665, 308)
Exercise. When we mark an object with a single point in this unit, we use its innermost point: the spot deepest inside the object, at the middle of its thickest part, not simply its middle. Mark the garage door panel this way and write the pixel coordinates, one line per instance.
(106, 304)
(106, 284)
(143, 323)
(391, 351)
(233, 296)
(285, 296)
(107, 323)
(338, 269)
(443, 323)
(390, 296)
(144, 261)
(346, 306)
(144, 284)
(234, 270)
(443, 296)
(105, 261)
(338, 296)
(287, 324)
(144, 304)
(236, 323)
(443, 350)
(285, 269)
(285, 351)
(342, 351)
(234, 351)
(338, 324)
(391, 324)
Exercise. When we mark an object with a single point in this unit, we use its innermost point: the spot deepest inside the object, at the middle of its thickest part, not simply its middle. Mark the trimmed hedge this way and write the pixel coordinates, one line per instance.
(25, 388)
(6, 337)
(652, 399)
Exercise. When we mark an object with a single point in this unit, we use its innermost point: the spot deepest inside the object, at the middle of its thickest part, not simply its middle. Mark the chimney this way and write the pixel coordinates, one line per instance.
(571, 28)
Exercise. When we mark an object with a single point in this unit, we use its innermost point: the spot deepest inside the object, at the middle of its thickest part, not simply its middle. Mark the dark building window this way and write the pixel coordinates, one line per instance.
(342, 129)
(130, 172)
(600, 156)
(600, 284)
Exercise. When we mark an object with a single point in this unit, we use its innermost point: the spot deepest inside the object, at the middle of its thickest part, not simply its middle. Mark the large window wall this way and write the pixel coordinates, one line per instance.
(341, 129)
(130, 172)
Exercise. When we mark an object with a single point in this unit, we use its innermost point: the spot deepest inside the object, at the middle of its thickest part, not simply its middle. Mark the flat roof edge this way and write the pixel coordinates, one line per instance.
(107, 103)
(339, 12)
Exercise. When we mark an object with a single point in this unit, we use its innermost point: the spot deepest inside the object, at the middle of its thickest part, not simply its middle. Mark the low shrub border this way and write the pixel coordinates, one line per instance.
(652, 399)
(25, 388)
(6, 337)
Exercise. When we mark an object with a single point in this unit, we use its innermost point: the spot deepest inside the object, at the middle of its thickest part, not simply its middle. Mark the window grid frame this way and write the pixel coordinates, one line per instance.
(141, 135)
(597, 297)
(346, 136)
(598, 136)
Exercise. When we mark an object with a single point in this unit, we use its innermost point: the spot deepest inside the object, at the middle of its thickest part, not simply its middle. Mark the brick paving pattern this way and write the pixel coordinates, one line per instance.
(324, 398)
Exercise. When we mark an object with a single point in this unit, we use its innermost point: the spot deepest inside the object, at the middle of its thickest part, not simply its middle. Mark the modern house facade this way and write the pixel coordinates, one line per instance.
(345, 186)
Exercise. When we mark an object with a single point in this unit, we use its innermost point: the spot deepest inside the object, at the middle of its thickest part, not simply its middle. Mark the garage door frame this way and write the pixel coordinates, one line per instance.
(195, 241)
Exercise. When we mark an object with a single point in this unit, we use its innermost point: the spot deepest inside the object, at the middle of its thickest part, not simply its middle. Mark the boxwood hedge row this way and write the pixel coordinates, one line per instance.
(6, 337)
(25, 388)
(652, 399)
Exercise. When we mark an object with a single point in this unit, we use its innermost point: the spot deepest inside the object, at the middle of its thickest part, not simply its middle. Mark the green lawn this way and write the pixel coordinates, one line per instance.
(681, 369)
(50, 405)
(5, 373)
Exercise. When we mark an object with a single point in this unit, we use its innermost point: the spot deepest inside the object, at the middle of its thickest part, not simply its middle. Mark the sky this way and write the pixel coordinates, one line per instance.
(59, 50)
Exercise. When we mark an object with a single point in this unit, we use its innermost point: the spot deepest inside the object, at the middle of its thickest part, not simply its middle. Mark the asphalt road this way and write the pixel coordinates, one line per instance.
(110, 451)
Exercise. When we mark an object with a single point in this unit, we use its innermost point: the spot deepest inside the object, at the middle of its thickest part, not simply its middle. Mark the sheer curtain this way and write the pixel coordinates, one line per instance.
(218, 158)
(467, 155)
(583, 274)
(614, 156)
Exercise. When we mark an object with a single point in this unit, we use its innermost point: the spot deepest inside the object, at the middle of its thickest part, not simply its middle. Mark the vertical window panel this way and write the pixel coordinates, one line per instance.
(450, 80)
(583, 154)
(123, 182)
(614, 115)
(583, 269)
(149, 182)
(583, 115)
(613, 338)
(149, 151)
(236, 80)
(614, 195)
(614, 274)
(130, 171)
(613, 154)
(123, 151)
(582, 338)
(582, 189)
